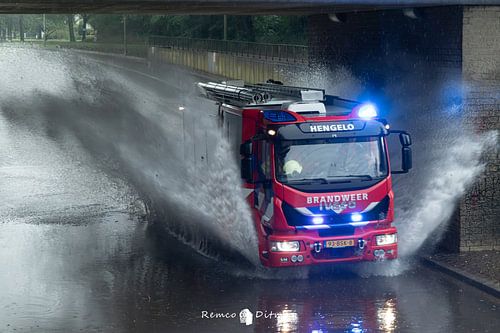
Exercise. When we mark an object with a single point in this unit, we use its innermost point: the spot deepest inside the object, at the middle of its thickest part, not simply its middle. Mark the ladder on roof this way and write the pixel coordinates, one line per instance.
(258, 93)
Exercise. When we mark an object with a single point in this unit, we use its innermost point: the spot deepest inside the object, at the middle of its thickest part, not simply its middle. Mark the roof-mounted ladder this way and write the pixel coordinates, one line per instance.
(258, 93)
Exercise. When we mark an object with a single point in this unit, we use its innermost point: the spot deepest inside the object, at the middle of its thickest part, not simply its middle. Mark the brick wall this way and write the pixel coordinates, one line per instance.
(381, 46)
(479, 211)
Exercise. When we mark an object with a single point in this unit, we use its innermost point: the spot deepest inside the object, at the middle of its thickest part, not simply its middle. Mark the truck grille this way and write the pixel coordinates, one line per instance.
(344, 252)
(295, 218)
(337, 231)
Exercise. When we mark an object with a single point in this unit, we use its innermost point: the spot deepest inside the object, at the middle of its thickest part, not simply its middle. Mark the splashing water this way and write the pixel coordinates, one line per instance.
(216, 197)
(137, 132)
(337, 81)
(447, 181)
(201, 202)
(448, 156)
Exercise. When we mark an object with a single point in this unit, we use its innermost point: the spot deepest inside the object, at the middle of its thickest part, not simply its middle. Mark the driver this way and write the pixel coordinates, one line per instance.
(359, 160)
(292, 168)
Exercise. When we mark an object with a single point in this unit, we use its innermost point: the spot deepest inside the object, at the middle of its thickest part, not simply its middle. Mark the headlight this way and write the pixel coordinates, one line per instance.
(387, 239)
(286, 246)
(318, 220)
(356, 217)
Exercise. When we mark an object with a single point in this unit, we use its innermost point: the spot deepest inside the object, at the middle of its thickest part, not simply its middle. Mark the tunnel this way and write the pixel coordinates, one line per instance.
(122, 207)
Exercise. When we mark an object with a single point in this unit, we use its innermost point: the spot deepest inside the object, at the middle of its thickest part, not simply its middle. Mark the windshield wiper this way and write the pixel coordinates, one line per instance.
(349, 178)
(338, 179)
(308, 181)
(364, 177)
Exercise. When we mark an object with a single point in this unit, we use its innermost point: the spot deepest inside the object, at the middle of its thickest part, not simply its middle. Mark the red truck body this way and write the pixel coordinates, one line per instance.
(318, 177)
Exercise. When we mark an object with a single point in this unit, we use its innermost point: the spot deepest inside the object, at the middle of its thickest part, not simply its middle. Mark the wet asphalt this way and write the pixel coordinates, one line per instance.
(80, 252)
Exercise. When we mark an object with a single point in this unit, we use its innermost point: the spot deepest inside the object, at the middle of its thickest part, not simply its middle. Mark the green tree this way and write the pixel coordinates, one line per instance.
(281, 29)
(190, 26)
(241, 28)
(10, 27)
(109, 28)
(21, 28)
(85, 19)
(71, 19)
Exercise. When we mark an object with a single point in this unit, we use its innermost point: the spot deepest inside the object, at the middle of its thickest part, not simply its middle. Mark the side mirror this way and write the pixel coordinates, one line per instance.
(246, 148)
(407, 159)
(406, 155)
(405, 139)
(247, 169)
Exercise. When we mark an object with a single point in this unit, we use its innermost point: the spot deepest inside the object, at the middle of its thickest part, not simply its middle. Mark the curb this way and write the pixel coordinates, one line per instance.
(117, 55)
(478, 282)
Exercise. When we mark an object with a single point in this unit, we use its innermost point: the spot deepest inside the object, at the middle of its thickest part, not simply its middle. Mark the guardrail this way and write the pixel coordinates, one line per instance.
(275, 52)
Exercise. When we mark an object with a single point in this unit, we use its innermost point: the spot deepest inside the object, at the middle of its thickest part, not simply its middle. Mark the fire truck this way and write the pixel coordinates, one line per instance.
(316, 170)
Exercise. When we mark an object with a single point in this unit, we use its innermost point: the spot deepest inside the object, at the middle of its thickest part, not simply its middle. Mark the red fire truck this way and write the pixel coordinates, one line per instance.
(317, 172)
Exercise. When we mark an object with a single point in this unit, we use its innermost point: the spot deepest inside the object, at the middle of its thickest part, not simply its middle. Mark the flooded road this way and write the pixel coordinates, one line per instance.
(113, 274)
(80, 250)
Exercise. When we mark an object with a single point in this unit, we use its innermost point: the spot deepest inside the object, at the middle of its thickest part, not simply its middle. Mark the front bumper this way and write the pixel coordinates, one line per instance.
(312, 249)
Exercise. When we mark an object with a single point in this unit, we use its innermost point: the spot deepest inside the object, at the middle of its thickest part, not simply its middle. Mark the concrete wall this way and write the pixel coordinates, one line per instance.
(479, 211)
(250, 69)
(417, 65)
(384, 46)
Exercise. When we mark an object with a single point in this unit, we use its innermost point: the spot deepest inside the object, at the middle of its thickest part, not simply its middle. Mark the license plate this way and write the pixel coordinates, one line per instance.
(339, 243)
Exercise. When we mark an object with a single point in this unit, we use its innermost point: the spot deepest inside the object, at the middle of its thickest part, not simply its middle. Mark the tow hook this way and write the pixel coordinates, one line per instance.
(317, 247)
(361, 244)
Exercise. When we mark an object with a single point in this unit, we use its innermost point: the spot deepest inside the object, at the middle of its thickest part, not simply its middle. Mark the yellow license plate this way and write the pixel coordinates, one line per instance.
(339, 243)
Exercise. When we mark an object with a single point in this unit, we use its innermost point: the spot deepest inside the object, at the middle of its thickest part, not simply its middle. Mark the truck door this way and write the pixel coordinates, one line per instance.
(263, 190)
(231, 129)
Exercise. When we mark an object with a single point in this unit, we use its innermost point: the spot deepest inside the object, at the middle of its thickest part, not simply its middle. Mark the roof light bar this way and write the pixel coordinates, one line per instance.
(367, 111)
(278, 116)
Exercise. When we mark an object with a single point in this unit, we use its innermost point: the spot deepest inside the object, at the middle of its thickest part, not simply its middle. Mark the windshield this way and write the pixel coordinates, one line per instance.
(330, 160)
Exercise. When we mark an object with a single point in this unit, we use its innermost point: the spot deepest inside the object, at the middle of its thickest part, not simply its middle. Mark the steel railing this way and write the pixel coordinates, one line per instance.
(280, 52)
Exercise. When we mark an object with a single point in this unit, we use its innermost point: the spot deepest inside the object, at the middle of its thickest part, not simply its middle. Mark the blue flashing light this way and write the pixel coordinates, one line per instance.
(356, 217)
(357, 327)
(278, 116)
(318, 220)
(367, 111)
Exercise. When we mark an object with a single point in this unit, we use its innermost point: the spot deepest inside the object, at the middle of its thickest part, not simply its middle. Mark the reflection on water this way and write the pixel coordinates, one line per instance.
(287, 320)
(320, 308)
(386, 316)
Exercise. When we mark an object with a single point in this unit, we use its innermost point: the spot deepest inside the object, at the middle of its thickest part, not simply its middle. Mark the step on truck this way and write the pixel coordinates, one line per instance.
(316, 169)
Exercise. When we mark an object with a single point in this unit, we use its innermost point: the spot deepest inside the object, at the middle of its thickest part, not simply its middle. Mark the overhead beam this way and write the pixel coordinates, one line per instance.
(216, 7)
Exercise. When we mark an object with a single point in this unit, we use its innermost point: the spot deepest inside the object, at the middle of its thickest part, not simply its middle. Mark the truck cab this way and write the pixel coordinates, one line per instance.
(317, 173)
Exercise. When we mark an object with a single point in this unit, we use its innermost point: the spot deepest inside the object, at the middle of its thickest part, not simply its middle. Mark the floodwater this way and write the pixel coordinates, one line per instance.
(92, 240)
(112, 273)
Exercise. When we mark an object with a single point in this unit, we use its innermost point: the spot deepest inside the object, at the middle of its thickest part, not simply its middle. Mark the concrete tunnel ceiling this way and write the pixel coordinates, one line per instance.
(216, 7)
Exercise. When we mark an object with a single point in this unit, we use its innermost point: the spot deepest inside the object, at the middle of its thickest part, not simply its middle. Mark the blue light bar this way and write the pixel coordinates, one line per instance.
(367, 111)
(278, 116)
